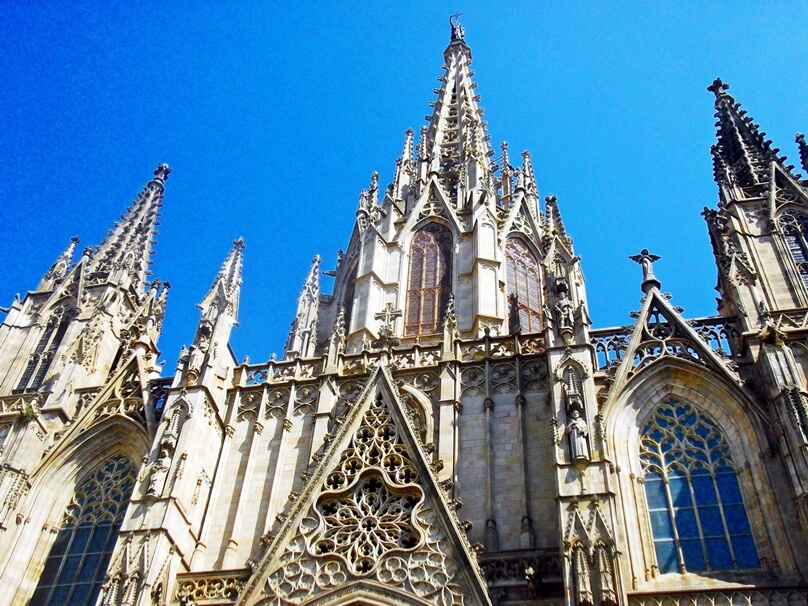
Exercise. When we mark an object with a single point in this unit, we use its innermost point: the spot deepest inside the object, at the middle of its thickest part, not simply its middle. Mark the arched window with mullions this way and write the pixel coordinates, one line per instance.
(698, 518)
(523, 286)
(430, 279)
(795, 229)
(40, 359)
(78, 560)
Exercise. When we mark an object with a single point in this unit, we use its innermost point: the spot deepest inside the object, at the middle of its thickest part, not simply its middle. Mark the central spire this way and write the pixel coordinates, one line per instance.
(455, 144)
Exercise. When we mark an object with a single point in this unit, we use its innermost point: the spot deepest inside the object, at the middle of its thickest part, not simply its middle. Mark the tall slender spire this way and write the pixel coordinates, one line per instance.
(59, 269)
(228, 280)
(456, 141)
(128, 246)
(302, 338)
(742, 155)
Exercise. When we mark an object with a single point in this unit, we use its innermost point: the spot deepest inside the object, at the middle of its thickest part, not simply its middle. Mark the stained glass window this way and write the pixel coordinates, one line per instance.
(523, 286)
(795, 228)
(78, 560)
(430, 279)
(698, 518)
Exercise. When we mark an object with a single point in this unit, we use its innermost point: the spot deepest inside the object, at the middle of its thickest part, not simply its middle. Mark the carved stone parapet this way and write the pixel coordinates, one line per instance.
(218, 585)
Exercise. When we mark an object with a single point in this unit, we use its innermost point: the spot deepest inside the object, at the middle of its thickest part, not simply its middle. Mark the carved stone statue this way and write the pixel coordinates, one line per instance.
(159, 472)
(565, 311)
(578, 432)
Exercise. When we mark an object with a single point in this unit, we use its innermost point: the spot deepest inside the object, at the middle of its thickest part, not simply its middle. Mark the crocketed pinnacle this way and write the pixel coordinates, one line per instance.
(404, 167)
(60, 267)
(803, 147)
(456, 140)
(129, 245)
(742, 154)
(302, 338)
(228, 280)
(553, 223)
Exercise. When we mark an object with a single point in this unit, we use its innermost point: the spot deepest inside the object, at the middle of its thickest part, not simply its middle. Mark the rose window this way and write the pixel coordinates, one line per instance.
(368, 521)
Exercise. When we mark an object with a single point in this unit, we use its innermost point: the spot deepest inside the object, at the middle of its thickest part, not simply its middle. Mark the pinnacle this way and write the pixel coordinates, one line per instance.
(742, 153)
(719, 88)
(229, 276)
(803, 147)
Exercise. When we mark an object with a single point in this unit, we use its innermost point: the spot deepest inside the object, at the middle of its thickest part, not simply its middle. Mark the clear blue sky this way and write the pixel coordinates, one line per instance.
(273, 116)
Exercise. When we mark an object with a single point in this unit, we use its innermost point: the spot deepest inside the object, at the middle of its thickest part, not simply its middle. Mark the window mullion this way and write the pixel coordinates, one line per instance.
(727, 534)
(671, 513)
(698, 521)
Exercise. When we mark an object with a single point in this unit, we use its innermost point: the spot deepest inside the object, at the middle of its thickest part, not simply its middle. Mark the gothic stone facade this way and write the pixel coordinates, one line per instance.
(444, 428)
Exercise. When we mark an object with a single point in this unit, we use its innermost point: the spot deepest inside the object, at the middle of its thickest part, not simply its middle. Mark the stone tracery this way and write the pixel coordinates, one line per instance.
(371, 520)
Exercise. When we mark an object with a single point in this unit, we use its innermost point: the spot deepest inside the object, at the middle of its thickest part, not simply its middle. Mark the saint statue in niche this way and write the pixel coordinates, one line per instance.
(578, 432)
(159, 472)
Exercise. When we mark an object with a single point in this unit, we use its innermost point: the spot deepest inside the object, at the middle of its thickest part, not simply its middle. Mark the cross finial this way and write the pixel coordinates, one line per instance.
(646, 260)
(387, 338)
(388, 314)
(718, 87)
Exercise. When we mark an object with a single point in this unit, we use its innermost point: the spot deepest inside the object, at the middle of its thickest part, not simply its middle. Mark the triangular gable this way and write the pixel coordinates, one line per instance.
(432, 204)
(372, 517)
(521, 219)
(122, 396)
(661, 333)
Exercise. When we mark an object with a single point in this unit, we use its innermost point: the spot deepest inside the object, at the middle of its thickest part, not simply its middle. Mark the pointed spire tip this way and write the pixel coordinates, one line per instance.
(718, 88)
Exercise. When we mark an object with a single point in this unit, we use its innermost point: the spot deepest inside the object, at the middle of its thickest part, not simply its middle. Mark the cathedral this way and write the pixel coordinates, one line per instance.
(445, 428)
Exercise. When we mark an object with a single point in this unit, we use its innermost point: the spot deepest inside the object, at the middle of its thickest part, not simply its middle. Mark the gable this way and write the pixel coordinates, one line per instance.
(371, 518)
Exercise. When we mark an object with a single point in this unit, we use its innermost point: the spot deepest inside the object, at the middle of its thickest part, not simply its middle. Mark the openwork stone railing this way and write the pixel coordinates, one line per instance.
(403, 358)
(740, 597)
(207, 587)
(791, 319)
(719, 332)
(18, 403)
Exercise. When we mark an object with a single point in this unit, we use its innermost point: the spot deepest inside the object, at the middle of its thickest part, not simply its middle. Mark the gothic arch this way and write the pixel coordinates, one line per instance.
(424, 406)
(523, 284)
(743, 430)
(55, 480)
(429, 275)
(362, 593)
(56, 319)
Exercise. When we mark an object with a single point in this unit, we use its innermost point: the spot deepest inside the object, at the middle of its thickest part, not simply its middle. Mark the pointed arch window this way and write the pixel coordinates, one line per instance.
(40, 360)
(698, 518)
(78, 560)
(523, 286)
(430, 279)
(795, 228)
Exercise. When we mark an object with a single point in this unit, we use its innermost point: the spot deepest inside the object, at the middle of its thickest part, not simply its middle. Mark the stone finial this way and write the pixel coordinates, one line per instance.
(458, 33)
(162, 171)
(719, 88)
(646, 260)
(803, 147)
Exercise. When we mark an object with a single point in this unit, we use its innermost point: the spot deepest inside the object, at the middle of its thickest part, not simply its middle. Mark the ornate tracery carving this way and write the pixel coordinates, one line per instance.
(430, 282)
(523, 283)
(370, 521)
(698, 517)
(795, 228)
(80, 554)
